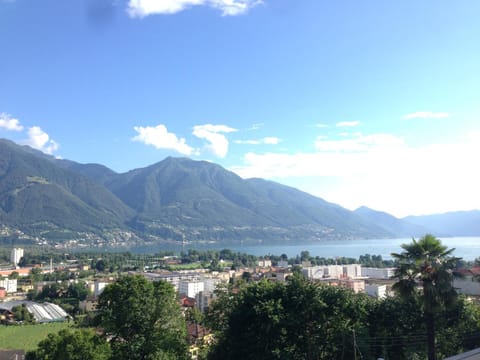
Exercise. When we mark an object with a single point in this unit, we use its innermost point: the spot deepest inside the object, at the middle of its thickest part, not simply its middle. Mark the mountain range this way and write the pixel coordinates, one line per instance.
(57, 201)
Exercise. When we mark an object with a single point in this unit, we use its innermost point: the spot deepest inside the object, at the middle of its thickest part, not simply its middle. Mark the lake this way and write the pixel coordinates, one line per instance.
(467, 248)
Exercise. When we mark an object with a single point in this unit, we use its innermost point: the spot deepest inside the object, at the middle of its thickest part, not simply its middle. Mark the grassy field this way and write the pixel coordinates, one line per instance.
(27, 336)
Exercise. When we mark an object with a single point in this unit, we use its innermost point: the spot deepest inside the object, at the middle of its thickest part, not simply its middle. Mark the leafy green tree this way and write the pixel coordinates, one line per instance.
(142, 319)
(299, 320)
(393, 336)
(14, 275)
(427, 264)
(81, 344)
(21, 313)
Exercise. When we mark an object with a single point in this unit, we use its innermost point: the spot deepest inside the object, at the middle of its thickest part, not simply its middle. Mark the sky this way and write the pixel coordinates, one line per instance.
(360, 102)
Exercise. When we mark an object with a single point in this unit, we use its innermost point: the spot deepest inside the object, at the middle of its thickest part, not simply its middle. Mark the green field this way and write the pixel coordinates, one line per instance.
(27, 336)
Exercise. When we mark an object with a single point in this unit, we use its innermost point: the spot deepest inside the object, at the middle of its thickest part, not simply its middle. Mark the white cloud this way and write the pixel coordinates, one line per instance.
(142, 8)
(380, 171)
(426, 115)
(218, 143)
(159, 137)
(9, 123)
(269, 140)
(358, 143)
(347, 123)
(320, 125)
(40, 140)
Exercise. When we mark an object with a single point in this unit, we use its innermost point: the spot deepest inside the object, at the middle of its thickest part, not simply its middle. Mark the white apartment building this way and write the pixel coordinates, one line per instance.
(264, 263)
(376, 291)
(10, 285)
(210, 284)
(378, 273)
(190, 288)
(350, 271)
(99, 286)
(16, 255)
(174, 278)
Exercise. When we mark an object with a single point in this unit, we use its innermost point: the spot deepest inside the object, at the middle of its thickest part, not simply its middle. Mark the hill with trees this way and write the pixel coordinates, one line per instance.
(49, 200)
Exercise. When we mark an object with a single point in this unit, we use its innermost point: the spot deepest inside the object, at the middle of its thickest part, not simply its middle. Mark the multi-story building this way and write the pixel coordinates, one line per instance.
(174, 278)
(378, 273)
(376, 290)
(351, 271)
(16, 255)
(10, 285)
(190, 288)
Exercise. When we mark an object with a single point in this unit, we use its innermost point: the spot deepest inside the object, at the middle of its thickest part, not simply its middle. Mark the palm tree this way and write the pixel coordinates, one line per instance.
(425, 271)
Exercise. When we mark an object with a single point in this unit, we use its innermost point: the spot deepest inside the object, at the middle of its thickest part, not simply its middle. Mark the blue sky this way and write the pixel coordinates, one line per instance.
(370, 102)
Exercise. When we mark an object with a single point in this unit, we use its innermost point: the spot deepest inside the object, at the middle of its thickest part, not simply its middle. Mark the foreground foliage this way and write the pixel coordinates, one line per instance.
(304, 320)
(299, 320)
(81, 344)
(142, 320)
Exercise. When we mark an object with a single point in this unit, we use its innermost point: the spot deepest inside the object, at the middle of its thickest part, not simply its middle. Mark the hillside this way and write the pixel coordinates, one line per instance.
(211, 204)
(44, 200)
(177, 199)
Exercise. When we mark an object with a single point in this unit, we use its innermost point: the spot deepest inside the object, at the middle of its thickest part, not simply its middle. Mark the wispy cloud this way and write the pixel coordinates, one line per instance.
(255, 126)
(142, 8)
(213, 134)
(40, 140)
(269, 140)
(320, 125)
(347, 123)
(159, 137)
(426, 115)
(9, 123)
(358, 143)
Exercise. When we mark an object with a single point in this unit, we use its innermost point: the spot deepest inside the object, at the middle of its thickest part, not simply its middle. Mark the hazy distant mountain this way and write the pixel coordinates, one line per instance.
(460, 223)
(399, 227)
(177, 199)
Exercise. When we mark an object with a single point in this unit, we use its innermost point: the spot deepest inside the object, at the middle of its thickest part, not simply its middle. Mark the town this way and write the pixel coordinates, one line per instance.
(55, 288)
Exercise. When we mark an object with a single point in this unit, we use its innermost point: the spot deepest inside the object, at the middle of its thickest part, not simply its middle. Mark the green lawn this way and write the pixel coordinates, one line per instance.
(27, 336)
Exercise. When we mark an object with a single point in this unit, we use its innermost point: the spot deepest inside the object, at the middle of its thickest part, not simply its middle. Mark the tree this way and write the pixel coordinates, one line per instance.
(142, 319)
(81, 344)
(299, 320)
(428, 264)
(21, 313)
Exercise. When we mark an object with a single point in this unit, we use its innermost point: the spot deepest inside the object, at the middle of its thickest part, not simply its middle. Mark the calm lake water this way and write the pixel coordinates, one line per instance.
(467, 248)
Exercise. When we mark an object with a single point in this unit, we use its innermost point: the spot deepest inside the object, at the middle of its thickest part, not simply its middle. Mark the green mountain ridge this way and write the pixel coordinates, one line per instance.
(51, 200)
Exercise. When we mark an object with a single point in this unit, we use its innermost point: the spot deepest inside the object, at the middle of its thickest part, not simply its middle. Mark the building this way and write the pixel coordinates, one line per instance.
(264, 263)
(10, 285)
(376, 291)
(99, 286)
(351, 271)
(378, 273)
(210, 284)
(44, 312)
(174, 278)
(468, 283)
(16, 255)
(190, 288)
(277, 276)
(203, 300)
